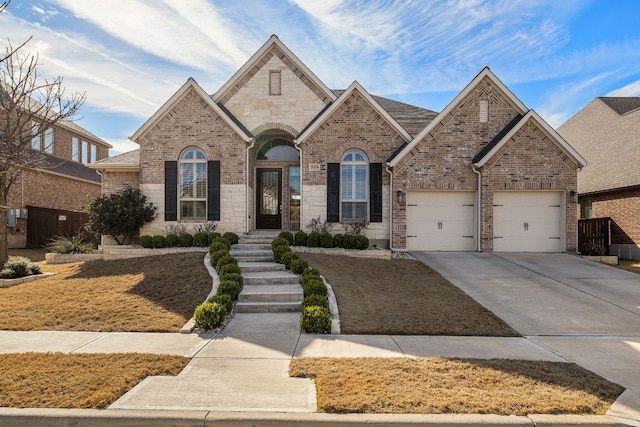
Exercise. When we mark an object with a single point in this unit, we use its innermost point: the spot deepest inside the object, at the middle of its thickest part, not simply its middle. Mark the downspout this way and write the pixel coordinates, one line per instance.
(478, 209)
(391, 248)
(247, 195)
(297, 147)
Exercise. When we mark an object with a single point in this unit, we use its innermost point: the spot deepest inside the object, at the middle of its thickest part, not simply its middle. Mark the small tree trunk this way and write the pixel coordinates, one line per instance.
(4, 251)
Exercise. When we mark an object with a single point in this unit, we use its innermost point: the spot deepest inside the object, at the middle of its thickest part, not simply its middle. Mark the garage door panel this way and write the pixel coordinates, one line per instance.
(527, 221)
(440, 221)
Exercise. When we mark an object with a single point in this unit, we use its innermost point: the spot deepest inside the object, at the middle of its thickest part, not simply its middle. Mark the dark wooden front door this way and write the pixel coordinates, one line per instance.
(269, 199)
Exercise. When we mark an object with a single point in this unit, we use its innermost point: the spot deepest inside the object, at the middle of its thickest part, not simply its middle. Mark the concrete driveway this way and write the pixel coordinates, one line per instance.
(583, 311)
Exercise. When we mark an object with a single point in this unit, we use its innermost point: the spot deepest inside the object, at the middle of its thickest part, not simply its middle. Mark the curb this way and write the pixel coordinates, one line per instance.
(15, 417)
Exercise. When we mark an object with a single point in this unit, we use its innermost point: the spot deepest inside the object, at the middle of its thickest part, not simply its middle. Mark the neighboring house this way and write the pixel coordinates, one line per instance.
(45, 201)
(607, 133)
(274, 148)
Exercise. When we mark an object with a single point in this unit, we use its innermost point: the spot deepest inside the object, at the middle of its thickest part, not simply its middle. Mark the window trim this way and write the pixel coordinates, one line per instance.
(195, 161)
(275, 83)
(354, 184)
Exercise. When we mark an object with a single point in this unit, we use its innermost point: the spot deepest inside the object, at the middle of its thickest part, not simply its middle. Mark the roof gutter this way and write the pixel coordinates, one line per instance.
(247, 187)
(478, 210)
(390, 171)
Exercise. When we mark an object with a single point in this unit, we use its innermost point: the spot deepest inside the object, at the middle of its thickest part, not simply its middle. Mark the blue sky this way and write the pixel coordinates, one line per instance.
(131, 56)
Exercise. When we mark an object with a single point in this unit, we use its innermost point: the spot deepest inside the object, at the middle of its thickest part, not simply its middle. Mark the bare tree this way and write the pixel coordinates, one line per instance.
(3, 6)
(29, 105)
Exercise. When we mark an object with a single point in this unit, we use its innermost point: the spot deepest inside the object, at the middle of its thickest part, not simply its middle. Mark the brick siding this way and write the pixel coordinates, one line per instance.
(623, 207)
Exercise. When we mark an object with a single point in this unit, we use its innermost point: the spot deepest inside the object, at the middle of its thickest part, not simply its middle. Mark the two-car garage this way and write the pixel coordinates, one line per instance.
(523, 221)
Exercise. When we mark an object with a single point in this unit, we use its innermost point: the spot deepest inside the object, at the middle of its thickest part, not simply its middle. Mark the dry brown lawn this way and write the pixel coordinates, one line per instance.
(57, 380)
(455, 386)
(150, 294)
(402, 297)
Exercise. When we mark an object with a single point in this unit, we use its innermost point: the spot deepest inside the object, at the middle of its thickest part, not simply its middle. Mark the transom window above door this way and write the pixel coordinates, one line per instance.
(278, 149)
(193, 184)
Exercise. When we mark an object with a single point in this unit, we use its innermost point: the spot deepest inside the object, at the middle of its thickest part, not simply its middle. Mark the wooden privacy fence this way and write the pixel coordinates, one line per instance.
(43, 224)
(594, 234)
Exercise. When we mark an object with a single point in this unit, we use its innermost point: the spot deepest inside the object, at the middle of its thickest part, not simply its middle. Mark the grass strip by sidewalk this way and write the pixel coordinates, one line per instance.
(455, 386)
(149, 294)
(90, 381)
(402, 297)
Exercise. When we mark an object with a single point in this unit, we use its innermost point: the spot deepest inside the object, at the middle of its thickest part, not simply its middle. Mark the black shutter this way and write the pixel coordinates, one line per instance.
(213, 190)
(170, 191)
(375, 192)
(333, 192)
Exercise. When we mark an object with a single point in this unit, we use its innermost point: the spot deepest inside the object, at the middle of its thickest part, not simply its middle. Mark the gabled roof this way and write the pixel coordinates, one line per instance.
(253, 62)
(129, 161)
(486, 72)
(176, 97)
(496, 145)
(622, 105)
(326, 113)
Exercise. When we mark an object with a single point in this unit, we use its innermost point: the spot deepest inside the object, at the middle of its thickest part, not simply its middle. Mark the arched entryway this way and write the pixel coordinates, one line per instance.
(276, 167)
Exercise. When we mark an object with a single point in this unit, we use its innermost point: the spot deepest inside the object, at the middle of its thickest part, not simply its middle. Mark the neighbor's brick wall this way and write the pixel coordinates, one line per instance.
(442, 159)
(529, 161)
(62, 144)
(623, 207)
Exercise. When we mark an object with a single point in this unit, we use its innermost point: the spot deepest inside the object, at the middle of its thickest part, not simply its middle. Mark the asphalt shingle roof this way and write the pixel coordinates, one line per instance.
(622, 105)
(67, 167)
(128, 158)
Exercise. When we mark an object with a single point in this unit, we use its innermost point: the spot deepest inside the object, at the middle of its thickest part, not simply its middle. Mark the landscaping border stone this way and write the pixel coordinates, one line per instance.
(7, 283)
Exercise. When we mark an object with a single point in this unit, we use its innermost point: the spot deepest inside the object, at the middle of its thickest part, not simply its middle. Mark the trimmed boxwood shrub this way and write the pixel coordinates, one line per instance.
(19, 266)
(301, 238)
(201, 240)
(210, 315)
(229, 287)
(286, 235)
(212, 236)
(224, 260)
(317, 300)
(306, 278)
(218, 246)
(222, 241)
(325, 240)
(278, 251)
(298, 266)
(230, 268)
(235, 277)
(159, 241)
(287, 257)
(316, 320)
(172, 240)
(314, 287)
(311, 271)
(146, 241)
(361, 242)
(232, 237)
(216, 255)
(278, 241)
(224, 299)
(349, 241)
(313, 239)
(338, 240)
(186, 240)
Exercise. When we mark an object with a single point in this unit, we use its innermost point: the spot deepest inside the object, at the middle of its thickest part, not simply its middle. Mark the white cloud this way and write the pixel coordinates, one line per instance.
(121, 146)
(632, 89)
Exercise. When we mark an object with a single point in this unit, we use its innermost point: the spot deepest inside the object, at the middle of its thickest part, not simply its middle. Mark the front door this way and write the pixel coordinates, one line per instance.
(269, 198)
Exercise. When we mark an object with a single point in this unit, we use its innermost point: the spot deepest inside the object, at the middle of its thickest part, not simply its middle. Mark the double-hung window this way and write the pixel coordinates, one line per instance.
(354, 186)
(193, 185)
(36, 136)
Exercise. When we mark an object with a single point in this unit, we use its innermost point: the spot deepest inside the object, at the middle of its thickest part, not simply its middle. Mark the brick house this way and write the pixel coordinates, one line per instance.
(607, 132)
(274, 148)
(54, 191)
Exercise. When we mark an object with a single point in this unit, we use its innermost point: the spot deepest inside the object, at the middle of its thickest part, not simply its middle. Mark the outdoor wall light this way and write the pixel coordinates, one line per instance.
(573, 196)
(399, 194)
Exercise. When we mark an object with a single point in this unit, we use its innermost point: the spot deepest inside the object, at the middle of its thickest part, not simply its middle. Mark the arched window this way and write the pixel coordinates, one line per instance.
(278, 149)
(354, 186)
(193, 184)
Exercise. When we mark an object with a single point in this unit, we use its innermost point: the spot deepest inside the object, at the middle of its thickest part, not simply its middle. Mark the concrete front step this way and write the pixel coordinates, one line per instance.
(252, 246)
(266, 307)
(259, 238)
(254, 258)
(252, 267)
(270, 278)
(271, 293)
(250, 252)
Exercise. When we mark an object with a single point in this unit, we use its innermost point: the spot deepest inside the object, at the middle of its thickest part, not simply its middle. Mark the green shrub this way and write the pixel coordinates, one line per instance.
(314, 287)
(318, 300)
(306, 278)
(325, 240)
(69, 245)
(232, 237)
(301, 238)
(201, 240)
(222, 241)
(235, 277)
(313, 239)
(286, 235)
(224, 299)
(146, 241)
(186, 240)
(278, 241)
(19, 266)
(298, 266)
(229, 287)
(213, 236)
(215, 256)
(218, 246)
(172, 240)
(349, 241)
(316, 320)
(224, 260)
(278, 251)
(287, 257)
(338, 240)
(159, 241)
(230, 268)
(361, 242)
(210, 315)
(311, 271)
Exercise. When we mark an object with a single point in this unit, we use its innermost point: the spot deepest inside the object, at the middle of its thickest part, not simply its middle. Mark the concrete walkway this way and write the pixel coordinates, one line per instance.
(239, 376)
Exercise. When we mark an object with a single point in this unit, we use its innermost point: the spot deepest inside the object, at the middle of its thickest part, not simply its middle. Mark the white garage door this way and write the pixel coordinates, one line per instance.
(527, 221)
(440, 220)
